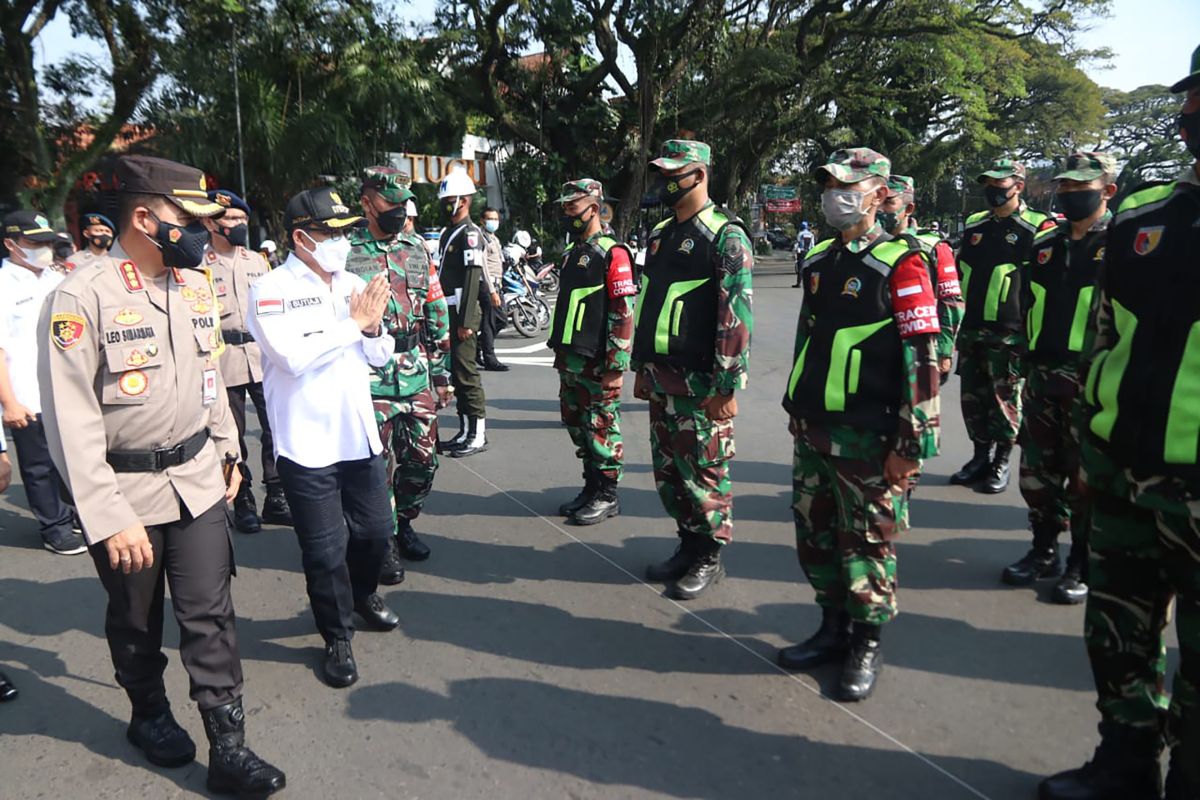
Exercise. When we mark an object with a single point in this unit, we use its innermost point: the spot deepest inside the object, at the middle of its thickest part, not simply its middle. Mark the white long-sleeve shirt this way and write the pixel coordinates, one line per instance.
(316, 365)
(22, 292)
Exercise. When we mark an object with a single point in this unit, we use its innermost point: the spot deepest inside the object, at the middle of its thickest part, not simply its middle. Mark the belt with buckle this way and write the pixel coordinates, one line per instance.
(237, 337)
(160, 458)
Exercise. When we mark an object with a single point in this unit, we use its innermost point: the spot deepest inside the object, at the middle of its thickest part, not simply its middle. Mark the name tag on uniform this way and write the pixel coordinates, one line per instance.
(210, 386)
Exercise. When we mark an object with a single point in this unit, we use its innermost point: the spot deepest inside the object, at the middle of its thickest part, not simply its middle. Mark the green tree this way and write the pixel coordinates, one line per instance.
(1143, 131)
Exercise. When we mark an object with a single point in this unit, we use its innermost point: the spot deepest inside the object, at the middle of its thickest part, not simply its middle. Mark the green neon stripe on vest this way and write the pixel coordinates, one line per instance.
(966, 281)
(1183, 419)
(843, 343)
(641, 301)
(1037, 314)
(1089, 387)
(574, 319)
(1109, 380)
(1083, 306)
(797, 368)
(997, 291)
(672, 311)
(890, 252)
(1147, 196)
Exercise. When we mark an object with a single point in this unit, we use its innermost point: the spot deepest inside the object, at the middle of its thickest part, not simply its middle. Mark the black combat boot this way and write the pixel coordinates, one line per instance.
(976, 468)
(411, 546)
(448, 446)
(601, 506)
(476, 441)
(160, 737)
(1072, 588)
(674, 567)
(233, 768)
(706, 569)
(1040, 562)
(1124, 767)
(1183, 777)
(341, 670)
(7, 690)
(830, 643)
(276, 510)
(862, 665)
(391, 572)
(996, 479)
(493, 364)
(245, 513)
(585, 494)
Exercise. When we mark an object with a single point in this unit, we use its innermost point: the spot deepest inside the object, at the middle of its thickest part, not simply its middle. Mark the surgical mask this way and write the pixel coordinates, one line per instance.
(1081, 204)
(668, 191)
(181, 245)
(38, 257)
(888, 219)
(392, 220)
(1189, 125)
(491, 225)
(842, 208)
(102, 242)
(331, 254)
(997, 195)
(238, 235)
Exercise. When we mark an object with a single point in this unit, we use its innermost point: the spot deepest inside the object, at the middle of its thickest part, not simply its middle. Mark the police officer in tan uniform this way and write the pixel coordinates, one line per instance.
(138, 426)
(234, 268)
(98, 232)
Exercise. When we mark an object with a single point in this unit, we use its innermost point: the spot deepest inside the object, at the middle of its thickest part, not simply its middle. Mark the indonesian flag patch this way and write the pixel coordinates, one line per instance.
(270, 305)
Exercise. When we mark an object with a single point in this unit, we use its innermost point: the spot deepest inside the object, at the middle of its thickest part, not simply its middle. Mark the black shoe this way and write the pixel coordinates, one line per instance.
(450, 445)
(976, 468)
(830, 643)
(584, 496)
(706, 570)
(677, 565)
(276, 510)
(7, 690)
(476, 441)
(601, 506)
(1039, 562)
(494, 365)
(1070, 589)
(411, 546)
(64, 543)
(863, 664)
(996, 479)
(377, 613)
(1183, 776)
(1124, 767)
(233, 768)
(391, 572)
(340, 669)
(161, 738)
(245, 513)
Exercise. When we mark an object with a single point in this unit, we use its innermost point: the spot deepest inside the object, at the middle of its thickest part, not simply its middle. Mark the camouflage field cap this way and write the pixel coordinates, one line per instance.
(389, 183)
(853, 165)
(583, 187)
(901, 184)
(1193, 78)
(677, 153)
(1087, 167)
(1003, 168)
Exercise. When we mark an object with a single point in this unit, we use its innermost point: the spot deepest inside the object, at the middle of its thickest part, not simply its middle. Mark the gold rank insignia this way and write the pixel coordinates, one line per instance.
(130, 276)
(201, 307)
(188, 293)
(136, 359)
(127, 316)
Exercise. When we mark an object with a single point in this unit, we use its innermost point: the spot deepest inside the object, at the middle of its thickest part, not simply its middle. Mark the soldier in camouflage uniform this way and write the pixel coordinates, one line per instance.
(591, 335)
(863, 403)
(691, 351)
(1058, 282)
(409, 391)
(1140, 452)
(995, 243)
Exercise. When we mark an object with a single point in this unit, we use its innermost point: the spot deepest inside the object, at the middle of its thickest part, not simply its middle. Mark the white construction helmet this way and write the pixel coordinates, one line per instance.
(410, 209)
(267, 246)
(522, 239)
(457, 184)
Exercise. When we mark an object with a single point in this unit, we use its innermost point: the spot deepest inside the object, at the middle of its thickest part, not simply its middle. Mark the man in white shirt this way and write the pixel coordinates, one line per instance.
(26, 278)
(320, 333)
(7, 690)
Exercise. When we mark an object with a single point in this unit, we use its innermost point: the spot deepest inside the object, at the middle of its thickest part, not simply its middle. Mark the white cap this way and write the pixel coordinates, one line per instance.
(457, 184)
(267, 245)
(410, 209)
(522, 239)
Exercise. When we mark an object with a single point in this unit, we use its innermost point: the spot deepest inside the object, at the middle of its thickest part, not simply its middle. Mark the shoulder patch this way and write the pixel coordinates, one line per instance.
(268, 305)
(66, 329)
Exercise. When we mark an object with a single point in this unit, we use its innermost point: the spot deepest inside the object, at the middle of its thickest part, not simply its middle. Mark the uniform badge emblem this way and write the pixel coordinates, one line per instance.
(66, 330)
(1011, 238)
(1147, 240)
(1099, 255)
(852, 287)
(188, 293)
(220, 307)
(132, 383)
(127, 316)
(585, 260)
(136, 359)
(1043, 256)
(201, 307)
(175, 235)
(472, 240)
(212, 256)
(976, 238)
(814, 281)
(687, 247)
(654, 247)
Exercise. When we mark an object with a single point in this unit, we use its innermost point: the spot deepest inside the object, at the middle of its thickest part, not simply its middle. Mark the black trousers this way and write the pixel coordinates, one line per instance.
(237, 406)
(195, 556)
(343, 519)
(488, 328)
(43, 486)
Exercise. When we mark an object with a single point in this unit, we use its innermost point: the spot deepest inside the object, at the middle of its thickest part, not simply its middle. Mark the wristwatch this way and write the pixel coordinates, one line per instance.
(725, 392)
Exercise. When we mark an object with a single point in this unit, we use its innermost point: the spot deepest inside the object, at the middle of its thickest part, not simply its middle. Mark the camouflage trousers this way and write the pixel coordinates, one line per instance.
(847, 517)
(1051, 483)
(1141, 559)
(990, 390)
(593, 419)
(408, 430)
(691, 455)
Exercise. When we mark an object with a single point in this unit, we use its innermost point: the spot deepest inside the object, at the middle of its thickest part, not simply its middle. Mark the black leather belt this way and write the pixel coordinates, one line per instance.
(159, 459)
(236, 337)
(407, 341)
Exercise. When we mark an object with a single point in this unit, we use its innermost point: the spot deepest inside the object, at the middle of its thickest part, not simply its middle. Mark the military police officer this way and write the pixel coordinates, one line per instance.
(408, 391)
(98, 232)
(1141, 463)
(138, 424)
(864, 408)
(995, 243)
(591, 335)
(691, 352)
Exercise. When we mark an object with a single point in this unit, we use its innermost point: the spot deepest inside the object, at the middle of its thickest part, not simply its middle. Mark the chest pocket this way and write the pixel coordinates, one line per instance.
(132, 370)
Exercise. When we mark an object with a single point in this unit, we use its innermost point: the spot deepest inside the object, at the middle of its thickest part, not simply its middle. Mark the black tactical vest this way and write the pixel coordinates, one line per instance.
(989, 258)
(581, 312)
(1061, 278)
(456, 242)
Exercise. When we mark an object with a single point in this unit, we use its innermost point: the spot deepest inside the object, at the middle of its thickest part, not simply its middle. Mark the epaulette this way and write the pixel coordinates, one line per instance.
(1147, 195)
(977, 218)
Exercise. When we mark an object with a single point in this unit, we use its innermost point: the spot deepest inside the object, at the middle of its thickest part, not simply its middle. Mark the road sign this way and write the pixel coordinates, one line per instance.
(773, 192)
(784, 206)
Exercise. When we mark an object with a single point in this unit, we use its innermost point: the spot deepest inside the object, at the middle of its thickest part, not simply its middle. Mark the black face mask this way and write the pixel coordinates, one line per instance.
(449, 208)
(102, 242)
(1189, 125)
(238, 235)
(668, 191)
(392, 220)
(182, 245)
(1080, 205)
(576, 224)
(888, 219)
(997, 195)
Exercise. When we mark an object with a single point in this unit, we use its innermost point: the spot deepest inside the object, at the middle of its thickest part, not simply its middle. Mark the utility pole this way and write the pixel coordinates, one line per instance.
(237, 107)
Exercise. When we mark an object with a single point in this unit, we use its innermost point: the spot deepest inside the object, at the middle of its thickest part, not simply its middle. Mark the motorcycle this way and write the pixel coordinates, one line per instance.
(522, 293)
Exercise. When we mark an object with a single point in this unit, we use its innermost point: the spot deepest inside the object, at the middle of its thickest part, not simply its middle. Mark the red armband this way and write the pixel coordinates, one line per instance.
(620, 274)
(947, 272)
(914, 304)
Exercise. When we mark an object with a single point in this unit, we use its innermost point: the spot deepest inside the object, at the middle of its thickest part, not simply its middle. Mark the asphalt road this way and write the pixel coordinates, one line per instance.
(532, 661)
